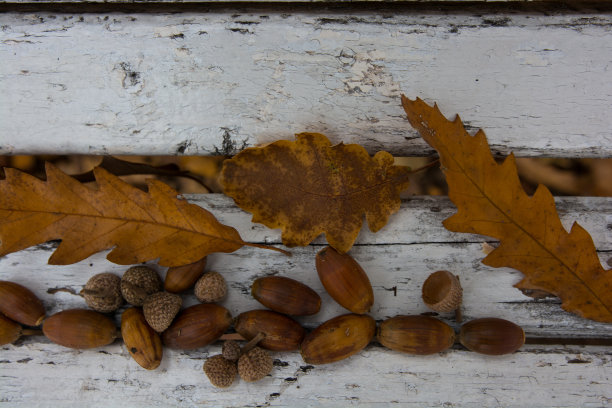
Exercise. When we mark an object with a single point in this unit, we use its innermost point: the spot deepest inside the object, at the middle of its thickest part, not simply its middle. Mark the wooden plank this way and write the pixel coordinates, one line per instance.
(200, 83)
(398, 259)
(37, 374)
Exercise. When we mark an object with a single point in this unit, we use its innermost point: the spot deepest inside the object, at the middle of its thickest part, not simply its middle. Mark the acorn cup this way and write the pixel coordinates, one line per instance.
(442, 293)
(20, 304)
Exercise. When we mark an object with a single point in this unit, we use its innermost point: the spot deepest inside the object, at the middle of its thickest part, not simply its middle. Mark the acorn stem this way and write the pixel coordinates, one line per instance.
(252, 343)
(96, 292)
(251, 244)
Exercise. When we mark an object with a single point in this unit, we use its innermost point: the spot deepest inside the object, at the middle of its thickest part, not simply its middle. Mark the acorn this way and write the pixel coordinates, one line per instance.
(10, 331)
(255, 364)
(80, 329)
(141, 341)
(230, 350)
(345, 280)
(160, 309)
(181, 278)
(492, 336)
(338, 338)
(416, 334)
(102, 292)
(138, 282)
(442, 292)
(282, 333)
(285, 295)
(220, 371)
(20, 304)
(210, 288)
(197, 326)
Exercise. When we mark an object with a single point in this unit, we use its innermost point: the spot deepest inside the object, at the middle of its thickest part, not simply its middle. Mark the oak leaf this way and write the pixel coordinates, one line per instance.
(491, 201)
(140, 226)
(308, 187)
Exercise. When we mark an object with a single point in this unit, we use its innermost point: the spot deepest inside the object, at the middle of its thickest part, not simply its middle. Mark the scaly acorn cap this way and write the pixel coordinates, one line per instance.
(220, 371)
(102, 292)
(160, 309)
(254, 364)
(230, 350)
(210, 288)
(138, 282)
(442, 292)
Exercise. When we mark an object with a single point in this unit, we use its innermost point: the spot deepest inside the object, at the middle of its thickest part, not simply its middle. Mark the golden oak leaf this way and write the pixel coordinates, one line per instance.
(139, 226)
(309, 187)
(491, 201)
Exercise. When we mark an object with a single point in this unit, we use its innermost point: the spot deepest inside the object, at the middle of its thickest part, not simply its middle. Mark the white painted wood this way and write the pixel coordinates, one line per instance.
(400, 256)
(117, 83)
(39, 374)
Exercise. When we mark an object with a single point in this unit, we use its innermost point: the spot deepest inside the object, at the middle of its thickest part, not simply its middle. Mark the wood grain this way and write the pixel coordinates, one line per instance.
(215, 82)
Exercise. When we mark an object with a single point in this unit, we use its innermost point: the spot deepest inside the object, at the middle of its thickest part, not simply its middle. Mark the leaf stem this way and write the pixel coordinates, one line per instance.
(268, 247)
(425, 167)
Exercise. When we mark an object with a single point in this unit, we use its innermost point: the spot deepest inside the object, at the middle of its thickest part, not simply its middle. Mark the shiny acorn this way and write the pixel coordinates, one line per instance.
(142, 342)
(338, 338)
(416, 334)
(442, 292)
(181, 278)
(10, 331)
(285, 295)
(282, 333)
(492, 336)
(80, 329)
(345, 280)
(197, 326)
(20, 304)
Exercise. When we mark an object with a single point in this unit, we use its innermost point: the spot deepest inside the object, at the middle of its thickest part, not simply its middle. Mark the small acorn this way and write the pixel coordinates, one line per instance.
(160, 309)
(141, 341)
(255, 364)
(442, 293)
(230, 350)
(220, 371)
(138, 282)
(20, 304)
(180, 278)
(345, 280)
(286, 295)
(102, 292)
(492, 336)
(210, 288)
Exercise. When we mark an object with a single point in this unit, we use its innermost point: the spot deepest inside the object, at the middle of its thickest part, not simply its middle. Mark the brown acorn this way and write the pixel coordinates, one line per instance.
(285, 295)
(492, 336)
(282, 333)
(80, 329)
(416, 334)
(10, 331)
(197, 326)
(20, 304)
(142, 342)
(442, 292)
(338, 338)
(345, 280)
(181, 278)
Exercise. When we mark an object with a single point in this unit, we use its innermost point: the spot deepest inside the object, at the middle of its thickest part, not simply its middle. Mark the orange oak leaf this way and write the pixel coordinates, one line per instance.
(139, 226)
(491, 201)
(309, 187)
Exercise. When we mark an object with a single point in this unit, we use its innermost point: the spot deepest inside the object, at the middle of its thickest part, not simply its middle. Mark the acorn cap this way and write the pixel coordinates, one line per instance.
(138, 282)
(254, 365)
(230, 350)
(160, 309)
(210, 288)
(442, 292)
(102, 292)
(220, 371)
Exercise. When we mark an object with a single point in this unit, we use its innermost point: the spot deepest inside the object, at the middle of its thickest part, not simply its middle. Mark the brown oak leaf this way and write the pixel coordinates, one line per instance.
(491, 201)
(139, 226)
(308, 187)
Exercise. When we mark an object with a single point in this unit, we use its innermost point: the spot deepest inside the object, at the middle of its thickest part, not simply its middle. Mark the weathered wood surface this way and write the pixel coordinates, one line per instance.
(203, 82)
(413, 244)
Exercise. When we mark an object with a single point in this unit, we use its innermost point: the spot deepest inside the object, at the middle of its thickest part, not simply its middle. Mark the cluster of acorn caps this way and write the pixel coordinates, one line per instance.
(156, 318)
